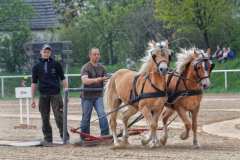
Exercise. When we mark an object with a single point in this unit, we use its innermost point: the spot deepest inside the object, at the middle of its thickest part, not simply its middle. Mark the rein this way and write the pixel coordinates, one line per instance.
(156, 71)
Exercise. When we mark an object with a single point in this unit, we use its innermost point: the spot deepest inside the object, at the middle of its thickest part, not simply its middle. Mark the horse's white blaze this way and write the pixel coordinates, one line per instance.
(205, 74)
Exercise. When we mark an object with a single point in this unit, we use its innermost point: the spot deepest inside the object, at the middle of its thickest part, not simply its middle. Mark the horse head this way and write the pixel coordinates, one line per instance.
(202, 68)
(161, 57)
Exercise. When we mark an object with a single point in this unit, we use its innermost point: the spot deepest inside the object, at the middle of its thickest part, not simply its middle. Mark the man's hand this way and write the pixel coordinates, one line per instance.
(33, 103)
(100, 79)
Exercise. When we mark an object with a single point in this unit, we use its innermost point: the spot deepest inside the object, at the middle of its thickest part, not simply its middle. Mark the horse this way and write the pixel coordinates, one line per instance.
(152, 73)
(192, 65)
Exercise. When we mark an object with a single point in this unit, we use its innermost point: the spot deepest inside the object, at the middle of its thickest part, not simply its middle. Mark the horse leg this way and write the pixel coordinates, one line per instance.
(114, 103)
(125, 116)
(194, 128)
(166, 114)
(181, 112)
(153, 121)
(113, 124)
(154, 143)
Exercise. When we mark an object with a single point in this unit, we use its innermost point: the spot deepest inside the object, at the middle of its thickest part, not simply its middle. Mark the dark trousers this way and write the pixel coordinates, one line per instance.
(44, 108)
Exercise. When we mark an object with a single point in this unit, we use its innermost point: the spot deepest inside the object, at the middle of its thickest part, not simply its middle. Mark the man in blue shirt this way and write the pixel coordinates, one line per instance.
(230, 53)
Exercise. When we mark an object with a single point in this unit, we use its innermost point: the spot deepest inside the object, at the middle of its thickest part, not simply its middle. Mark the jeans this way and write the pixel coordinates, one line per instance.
(87, 105)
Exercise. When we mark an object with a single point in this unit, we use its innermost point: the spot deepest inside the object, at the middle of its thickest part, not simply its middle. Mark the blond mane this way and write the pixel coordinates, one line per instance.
(147, 60)
(186, 56)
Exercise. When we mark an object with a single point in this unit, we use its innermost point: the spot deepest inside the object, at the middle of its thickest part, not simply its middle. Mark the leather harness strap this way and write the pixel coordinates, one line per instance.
(142, 95)
(181, 93)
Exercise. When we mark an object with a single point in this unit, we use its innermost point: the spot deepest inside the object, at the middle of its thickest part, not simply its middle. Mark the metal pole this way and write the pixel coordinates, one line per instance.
(67, 79)
(226, 79)
(66, 91)
(27, 114)
(65, 116)
(21, 120)
(2, 88)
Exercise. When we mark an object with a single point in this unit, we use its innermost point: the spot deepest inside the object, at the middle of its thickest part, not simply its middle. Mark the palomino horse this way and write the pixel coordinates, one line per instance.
(119, 88)
(194, 65)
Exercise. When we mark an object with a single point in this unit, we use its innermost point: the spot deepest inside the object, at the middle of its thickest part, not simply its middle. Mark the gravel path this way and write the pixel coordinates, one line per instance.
(215, 109)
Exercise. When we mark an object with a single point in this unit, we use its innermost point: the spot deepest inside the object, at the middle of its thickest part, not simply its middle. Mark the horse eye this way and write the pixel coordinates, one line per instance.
(199, 68)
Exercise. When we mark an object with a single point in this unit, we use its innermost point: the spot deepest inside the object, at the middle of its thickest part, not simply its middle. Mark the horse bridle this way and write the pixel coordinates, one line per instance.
(163, 54)
(203, 59)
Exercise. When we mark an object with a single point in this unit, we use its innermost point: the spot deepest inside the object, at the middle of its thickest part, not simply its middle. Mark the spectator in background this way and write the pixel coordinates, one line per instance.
(217, 54)
(224, 57)
(230, 53)
(130, 64)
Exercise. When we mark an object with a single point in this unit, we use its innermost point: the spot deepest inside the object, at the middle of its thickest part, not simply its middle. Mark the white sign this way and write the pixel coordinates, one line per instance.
(23, 92)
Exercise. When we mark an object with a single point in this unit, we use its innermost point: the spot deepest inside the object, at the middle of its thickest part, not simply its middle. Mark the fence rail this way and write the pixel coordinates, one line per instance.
(70, 75)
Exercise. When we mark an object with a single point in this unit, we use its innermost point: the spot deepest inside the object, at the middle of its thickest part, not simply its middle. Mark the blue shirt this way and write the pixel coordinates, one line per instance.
(230, 55)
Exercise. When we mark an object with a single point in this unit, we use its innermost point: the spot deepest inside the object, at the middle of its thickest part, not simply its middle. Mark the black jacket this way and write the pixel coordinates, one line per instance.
(48, 72)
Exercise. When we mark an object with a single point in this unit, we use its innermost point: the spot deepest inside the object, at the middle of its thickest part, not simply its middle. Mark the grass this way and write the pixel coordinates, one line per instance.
(217, 79)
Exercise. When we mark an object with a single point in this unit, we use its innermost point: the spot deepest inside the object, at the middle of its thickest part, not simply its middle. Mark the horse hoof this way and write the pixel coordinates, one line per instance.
(183, 137)
(144, 141)
(163, 141)
(125, 142)
(153, 145)
(198, 148)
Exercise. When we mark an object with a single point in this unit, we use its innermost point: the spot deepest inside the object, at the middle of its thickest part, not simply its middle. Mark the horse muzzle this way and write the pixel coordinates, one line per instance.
(163, 71)
(205, 85)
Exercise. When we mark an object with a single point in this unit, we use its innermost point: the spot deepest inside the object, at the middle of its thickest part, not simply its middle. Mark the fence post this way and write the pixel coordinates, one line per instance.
(2, 88)
(226, 79)
(65, 116)
(67, 79)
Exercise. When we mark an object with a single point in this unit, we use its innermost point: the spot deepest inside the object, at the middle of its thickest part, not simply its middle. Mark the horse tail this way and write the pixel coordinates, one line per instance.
(106, 94)
(106, 103)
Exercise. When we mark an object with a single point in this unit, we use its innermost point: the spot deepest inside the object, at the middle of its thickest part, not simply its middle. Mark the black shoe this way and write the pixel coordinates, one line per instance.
(47, 141)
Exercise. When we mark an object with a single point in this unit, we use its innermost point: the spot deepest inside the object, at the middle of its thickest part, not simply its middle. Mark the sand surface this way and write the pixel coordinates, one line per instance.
(218, 134)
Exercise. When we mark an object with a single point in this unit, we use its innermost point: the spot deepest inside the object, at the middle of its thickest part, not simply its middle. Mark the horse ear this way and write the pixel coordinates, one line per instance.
(195, 53)
(208, 52)
(154, 44)
(166, 42)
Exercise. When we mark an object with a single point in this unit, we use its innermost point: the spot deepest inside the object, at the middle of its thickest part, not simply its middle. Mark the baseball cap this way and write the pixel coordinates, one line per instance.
(46, 46)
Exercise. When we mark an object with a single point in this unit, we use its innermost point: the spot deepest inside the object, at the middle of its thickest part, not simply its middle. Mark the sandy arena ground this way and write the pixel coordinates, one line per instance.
(218, 134)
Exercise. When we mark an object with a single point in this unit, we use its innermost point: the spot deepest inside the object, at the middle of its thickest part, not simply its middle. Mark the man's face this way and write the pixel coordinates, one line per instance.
(218, 48)
(45, 53)
(95, 55)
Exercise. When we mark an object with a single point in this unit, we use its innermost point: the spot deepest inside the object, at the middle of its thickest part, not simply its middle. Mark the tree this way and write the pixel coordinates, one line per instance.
(188, 15)
(105, 17)
(15, 14)
(141, 27)
(12, 50)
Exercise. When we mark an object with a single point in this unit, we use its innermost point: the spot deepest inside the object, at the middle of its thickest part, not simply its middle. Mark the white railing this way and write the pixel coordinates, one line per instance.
(29, 76)
(225, 71)
(68, 75)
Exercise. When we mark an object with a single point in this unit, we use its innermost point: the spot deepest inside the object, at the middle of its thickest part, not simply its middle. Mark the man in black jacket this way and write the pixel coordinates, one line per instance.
(48, 71)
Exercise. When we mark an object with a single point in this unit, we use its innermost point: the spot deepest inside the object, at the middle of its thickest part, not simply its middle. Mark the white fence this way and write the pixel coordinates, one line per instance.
(68, 75)
(29, 76)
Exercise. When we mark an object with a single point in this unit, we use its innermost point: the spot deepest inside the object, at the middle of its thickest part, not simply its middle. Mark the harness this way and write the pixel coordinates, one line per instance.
(141, 95)
(138, 97)
(179, 94)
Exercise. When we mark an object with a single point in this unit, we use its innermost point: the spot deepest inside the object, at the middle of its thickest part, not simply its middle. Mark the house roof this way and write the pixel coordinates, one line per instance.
(45, 16)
